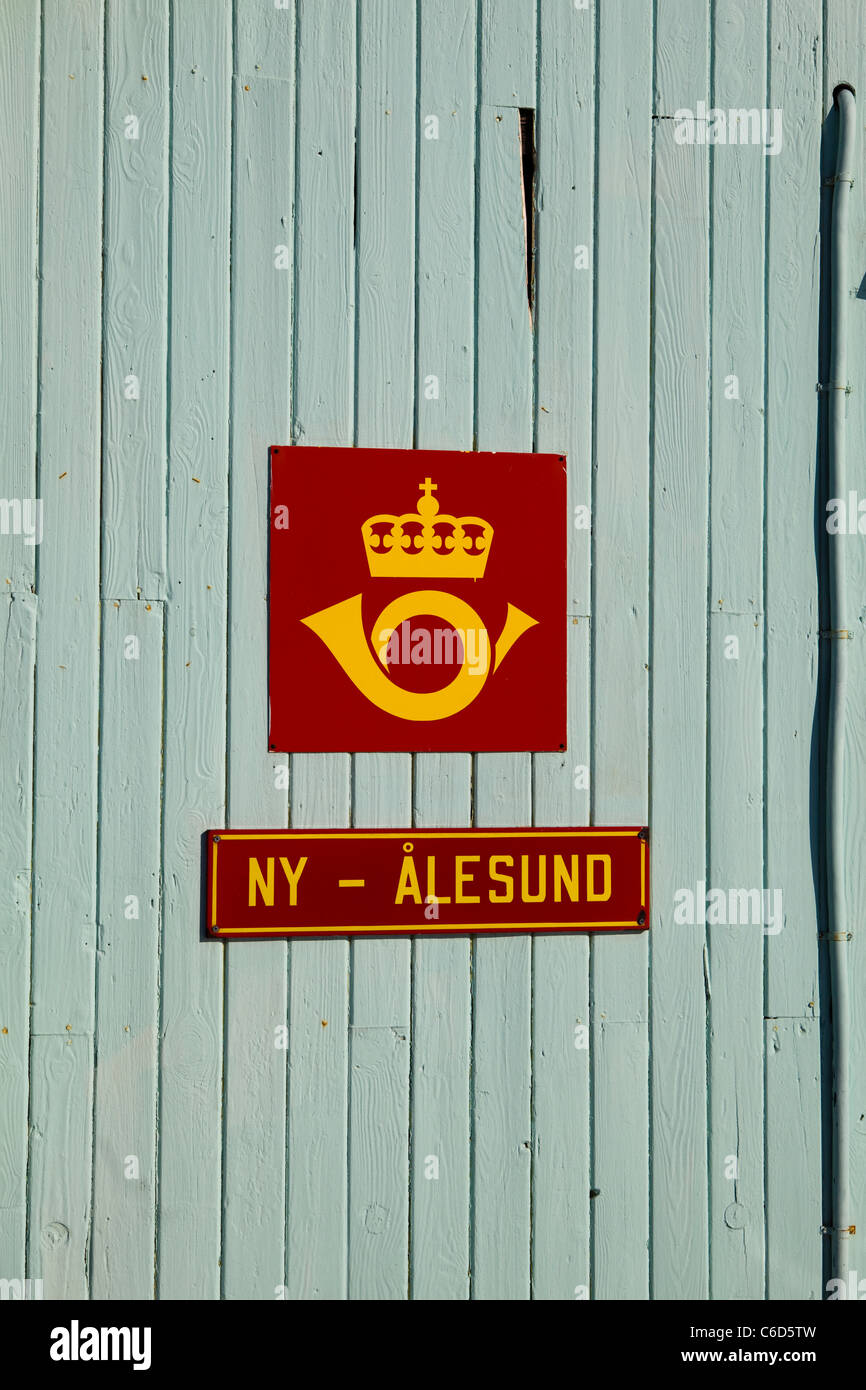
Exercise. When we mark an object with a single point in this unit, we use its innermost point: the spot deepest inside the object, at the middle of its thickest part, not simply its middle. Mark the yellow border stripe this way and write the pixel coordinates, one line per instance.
(429, 834)
(413, 929)
(214, 885)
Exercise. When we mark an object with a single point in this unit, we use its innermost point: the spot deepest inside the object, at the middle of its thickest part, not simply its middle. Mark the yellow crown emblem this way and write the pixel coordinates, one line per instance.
(425, 544)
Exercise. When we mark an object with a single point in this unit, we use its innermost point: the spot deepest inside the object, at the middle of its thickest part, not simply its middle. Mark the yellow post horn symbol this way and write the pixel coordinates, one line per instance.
(341, 629)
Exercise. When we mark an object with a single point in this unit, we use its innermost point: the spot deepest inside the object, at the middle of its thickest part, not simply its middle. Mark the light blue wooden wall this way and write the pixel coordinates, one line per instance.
(283, 255)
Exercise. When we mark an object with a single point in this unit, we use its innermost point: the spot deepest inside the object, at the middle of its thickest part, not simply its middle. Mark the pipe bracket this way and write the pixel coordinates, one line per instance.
(831, 386)
(841, 632)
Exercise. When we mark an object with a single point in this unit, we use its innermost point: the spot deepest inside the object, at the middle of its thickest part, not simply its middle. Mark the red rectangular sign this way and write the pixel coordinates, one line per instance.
(417, 601)
(323, 882)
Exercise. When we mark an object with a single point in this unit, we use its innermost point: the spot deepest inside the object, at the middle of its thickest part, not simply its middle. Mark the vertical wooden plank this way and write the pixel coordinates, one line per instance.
(441, 984)
(441, 1013)
(844, 61)
(19, 155)
(379, 1033)
(793, 1101)
(265, 41)
(679, 663)
(64, 908)
(195, 709)
(502, 1076)
(502, 976)
(385, 218)
(68, 557)
(254, 1185)
(794, 1253)
(379, 1068)
(61, 1097)
(736, 952)
(17, 656)
(136, 282)
(561, 1177)
(319, 1085)
(19, 146)
(620, 608)
(127, 1014)
(323, 413)
(504, 330)
(561, 1118)
(323, 371)
(508, 52)
(738, 174)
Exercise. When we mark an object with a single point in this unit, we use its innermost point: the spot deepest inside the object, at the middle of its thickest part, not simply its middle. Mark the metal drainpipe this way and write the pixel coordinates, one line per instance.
(843, 96)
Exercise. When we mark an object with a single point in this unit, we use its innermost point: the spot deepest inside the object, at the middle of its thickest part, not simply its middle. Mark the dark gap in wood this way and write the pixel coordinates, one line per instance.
(527, 161)
(355, 198)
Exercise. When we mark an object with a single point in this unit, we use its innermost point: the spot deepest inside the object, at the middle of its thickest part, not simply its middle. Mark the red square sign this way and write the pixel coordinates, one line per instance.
(417, 601)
